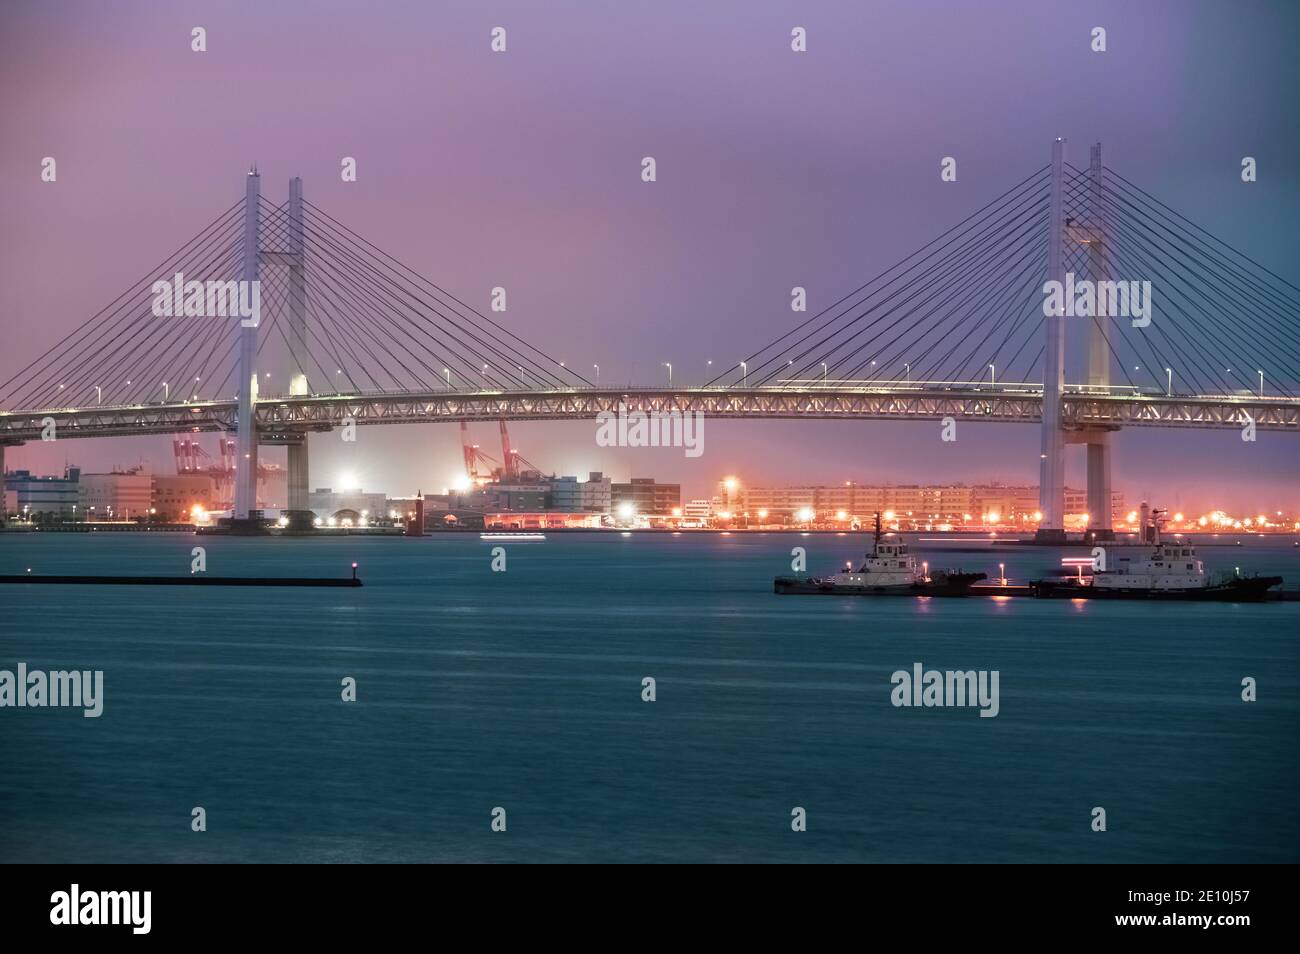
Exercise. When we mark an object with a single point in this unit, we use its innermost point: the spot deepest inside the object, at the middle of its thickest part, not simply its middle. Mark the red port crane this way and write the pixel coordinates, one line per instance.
(191, 458)
(474, 457)
(509, 468)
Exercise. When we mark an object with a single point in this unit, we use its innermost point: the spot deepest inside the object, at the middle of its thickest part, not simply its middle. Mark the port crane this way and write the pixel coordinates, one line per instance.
(191, 458)
(474, 457)
(513, 463)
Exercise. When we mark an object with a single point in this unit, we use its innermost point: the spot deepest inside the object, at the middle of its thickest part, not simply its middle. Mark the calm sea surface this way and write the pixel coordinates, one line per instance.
(522, 690)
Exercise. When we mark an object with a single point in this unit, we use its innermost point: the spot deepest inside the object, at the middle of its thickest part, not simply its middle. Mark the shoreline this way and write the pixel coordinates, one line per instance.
(992, 539)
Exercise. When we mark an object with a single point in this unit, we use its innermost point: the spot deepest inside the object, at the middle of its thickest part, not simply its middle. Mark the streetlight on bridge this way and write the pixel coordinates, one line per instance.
(669, 366)
(597, 367)
(744, 374)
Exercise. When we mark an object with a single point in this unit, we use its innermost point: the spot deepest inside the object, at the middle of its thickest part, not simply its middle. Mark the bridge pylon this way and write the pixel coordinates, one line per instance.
(1097, 439)
(1051, 471)
(247, 516)
(246, 513)
(2, 482)
(1065, 233)
(300, 517)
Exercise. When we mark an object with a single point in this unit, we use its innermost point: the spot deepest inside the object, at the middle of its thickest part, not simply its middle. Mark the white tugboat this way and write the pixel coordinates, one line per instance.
(888, 570)
(1168, 570)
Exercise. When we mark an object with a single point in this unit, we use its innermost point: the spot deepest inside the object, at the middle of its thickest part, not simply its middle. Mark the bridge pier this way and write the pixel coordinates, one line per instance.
(300, 515)
(294, 441)
(1097, 444)
(1099, 492)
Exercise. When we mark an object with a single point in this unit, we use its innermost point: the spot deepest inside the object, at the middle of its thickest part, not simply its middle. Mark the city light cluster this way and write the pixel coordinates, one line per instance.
(530, 500)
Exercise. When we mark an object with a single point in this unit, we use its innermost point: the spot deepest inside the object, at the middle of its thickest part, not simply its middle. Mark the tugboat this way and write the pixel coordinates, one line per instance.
(889, 570)
(1168, 571)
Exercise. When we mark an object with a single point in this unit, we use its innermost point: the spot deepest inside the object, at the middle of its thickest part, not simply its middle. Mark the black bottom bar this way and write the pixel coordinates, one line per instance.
(977, 905)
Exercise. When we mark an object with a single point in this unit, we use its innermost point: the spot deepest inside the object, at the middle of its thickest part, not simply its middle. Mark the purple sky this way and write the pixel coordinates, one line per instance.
(522, 170)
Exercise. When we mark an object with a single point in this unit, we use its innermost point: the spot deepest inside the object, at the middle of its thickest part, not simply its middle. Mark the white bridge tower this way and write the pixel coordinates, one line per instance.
(246, 515)
(1063, 234)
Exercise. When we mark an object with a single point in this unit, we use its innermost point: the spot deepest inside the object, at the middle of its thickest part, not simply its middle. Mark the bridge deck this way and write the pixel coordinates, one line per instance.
(1002, 404)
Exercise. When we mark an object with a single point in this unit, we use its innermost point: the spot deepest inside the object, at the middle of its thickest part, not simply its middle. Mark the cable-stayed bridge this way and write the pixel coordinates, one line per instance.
(957, 329)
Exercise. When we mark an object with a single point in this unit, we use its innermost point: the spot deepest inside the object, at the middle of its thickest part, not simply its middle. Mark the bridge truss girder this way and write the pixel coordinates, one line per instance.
(279, 416)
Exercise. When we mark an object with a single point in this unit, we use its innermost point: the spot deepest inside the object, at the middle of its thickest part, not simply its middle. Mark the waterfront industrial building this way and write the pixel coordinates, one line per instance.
(593, 495)
(117, 495)
(177, 498)
(644, 496)
(352, 506)
(42, 497)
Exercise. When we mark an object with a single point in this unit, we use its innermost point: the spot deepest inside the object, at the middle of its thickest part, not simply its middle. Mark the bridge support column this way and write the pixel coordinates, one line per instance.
(247, 517)
(1097, 444)
(1051, 474)
(1100, 523)
(300, 516)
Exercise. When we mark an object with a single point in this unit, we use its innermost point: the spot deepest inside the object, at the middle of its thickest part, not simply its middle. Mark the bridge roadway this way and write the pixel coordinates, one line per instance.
(286, 416)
